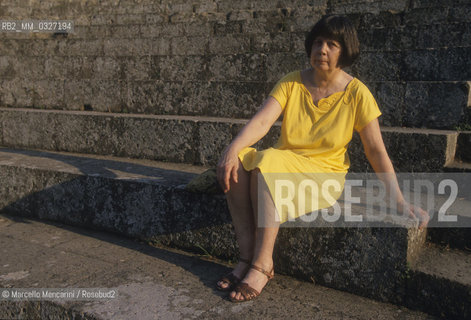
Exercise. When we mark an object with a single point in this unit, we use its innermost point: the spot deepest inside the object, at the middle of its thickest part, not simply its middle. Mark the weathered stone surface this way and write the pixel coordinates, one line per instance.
(162, 30)
(280, 64)
(374, 39)
(223, 99)
(439, 36)
(434, 105)
(151, 282)
(353, 6)
(199, 29)
(305, 18)
(126, 47)
(138, 68)
(229, 44)
(468, 83)
(189, 45)
(36, 310)
(214, 138)
(147, 203)
(417, 104)
(56, 67)
(199, 140)
(386, 18)
(47, 94)
(409, 37)
(436, 150)
(10, 47)
(130, 19)
(16, 11)
(159, 140)
(124, 31)
(95, 95)
(297, 42)
(72, 47)
(271, 42)
(205, 41)
(146, 200)
(444, 282)
(35, 94)
(22, 67)
(430, 15)
(460, 13)
(433, 3)
(463, 148)
(228, 27)
(266, 4)
(423, 64)
(113, 68)
(240, 67)
(79, 67)
(437, 65)
(453, 237)
(320, 248)
(74, 132)
(390, 98)
(154, 97)
(237, 99)
(382, 66)
(16, 92)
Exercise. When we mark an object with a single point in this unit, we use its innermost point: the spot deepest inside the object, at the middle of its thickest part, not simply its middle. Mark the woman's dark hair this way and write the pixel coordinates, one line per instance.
(338, 28)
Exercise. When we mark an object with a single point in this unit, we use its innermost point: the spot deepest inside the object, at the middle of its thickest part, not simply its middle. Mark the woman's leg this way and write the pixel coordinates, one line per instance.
(265, 235)
(240, 207)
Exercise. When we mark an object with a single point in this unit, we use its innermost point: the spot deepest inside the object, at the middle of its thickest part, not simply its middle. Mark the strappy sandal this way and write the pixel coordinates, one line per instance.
(231, 279)
(248, 293)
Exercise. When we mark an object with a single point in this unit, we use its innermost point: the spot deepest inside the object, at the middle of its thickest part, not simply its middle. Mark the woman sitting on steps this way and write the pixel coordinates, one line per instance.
(321, 107)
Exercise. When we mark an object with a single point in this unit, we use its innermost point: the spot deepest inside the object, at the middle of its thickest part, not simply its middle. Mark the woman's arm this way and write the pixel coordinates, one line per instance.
(378, 157)
(252, 132)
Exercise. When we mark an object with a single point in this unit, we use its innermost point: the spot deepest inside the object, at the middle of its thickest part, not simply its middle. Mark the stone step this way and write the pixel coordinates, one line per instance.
(450, 212)
(148, 201)
(454, 234)
(458, 166)
(450, 223)
(463, 147)
(441, 275)
(149, 282)
(454, 237)
(196, 140)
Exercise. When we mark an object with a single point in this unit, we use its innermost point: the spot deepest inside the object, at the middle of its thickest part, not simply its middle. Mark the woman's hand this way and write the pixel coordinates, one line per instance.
(227, 168)
(252, 132)
(378, 157)
(415, 213)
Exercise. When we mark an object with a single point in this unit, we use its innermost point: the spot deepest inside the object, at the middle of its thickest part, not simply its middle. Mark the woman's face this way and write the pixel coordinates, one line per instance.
(325, 54)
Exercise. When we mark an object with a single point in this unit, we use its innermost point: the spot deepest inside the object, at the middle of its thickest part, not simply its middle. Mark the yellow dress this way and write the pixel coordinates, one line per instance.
(305, 170)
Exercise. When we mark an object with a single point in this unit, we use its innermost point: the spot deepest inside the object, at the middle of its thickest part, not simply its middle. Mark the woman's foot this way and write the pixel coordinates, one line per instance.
(252, 285)
(228, 281)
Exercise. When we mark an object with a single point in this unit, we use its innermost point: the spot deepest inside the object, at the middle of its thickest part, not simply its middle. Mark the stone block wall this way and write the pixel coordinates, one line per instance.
(221, 58)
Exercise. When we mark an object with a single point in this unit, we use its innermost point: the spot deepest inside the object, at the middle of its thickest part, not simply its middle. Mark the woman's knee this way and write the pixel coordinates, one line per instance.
(254, 177)
(254, 173)
(243, 180)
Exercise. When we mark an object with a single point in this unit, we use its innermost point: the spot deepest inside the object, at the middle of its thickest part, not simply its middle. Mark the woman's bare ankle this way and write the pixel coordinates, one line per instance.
(266, 264)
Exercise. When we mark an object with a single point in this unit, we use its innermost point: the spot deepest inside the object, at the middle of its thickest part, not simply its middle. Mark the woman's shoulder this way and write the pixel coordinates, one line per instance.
(357, 93)
(357, 85)
(357, 88)
(293, 76)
